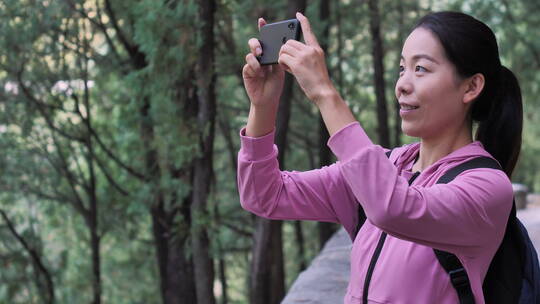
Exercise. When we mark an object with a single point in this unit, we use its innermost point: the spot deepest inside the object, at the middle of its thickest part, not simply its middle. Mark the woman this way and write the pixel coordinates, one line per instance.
(450, 76)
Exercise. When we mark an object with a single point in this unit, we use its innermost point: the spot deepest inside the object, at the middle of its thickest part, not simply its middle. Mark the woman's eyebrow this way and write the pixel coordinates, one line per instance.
(419, 56)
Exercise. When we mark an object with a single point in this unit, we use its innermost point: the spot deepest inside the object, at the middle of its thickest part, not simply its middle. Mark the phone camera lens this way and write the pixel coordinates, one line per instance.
(291, 26)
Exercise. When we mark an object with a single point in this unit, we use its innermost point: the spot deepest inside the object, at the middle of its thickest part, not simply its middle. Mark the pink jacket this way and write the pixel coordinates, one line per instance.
(466, 217)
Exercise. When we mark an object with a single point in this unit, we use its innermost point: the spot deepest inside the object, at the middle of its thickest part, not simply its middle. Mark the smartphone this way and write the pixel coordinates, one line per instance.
(273, 36)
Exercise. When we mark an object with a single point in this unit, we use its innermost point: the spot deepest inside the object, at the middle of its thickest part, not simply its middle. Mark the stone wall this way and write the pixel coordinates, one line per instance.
(325, 280)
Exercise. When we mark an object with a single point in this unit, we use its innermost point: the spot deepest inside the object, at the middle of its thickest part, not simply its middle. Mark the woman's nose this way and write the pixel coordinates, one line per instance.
(403, 85)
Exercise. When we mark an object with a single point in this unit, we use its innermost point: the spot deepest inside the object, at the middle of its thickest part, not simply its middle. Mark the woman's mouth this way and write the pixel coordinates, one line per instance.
(407, 107)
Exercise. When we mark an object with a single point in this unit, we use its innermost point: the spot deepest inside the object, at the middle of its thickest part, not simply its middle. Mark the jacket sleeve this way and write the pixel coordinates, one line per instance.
(458, 217)
(320, 195)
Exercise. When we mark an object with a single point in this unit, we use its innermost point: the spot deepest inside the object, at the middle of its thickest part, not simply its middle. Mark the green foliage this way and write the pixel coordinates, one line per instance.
(61, 73)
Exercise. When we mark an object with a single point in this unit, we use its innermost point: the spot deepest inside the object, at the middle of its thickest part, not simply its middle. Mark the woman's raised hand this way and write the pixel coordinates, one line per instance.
(307, 63)
(263, 83)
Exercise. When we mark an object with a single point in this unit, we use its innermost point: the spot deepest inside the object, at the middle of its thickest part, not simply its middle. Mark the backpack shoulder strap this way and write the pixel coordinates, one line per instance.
(479, 162)
(450, 262)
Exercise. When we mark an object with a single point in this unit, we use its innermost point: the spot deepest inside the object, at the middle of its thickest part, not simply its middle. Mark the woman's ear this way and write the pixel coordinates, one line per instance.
(473, 87)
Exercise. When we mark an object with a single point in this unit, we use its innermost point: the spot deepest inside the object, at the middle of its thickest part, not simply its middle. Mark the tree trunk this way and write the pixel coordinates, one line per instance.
(221, 261)
(282, 128)
(176, 274)
(95, 238)
(299, 236)
(202, 261)
(206, 98)
(160, 226)
(267, 282)
(94, 245)
(225, 129)
(277, 269)
(339, 47)
(378, 66)
(259, 289)
(160, 232)
(223, 278)
(175, 269)
(401, 35)
(180, 274)
(325, 229)
(91, 215)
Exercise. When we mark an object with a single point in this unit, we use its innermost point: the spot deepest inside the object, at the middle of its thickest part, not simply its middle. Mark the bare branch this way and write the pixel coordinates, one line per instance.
(98, 24)
(238, 230)
(36, 259)
(109, 178)
(69, 177)
(132, 50)
(120, 163)
(40, 106)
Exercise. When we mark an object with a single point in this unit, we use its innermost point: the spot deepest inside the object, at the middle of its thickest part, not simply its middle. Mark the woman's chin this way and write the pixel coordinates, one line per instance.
(410, 131)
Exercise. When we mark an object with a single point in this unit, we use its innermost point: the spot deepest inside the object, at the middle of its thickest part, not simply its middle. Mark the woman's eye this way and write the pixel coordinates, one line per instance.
(420, 68)
(401, 69)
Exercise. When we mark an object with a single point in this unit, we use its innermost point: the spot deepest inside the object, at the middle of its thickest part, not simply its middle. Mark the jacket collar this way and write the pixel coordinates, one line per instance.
(406, 155)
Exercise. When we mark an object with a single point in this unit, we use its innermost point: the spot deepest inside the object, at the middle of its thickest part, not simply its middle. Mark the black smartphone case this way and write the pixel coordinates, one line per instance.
(274, 35)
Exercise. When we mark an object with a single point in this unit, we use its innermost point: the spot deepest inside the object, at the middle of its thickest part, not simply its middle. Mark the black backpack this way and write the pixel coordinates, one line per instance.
(514, 273)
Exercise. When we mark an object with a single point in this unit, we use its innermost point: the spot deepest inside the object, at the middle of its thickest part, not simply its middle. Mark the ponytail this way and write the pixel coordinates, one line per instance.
(500, 132)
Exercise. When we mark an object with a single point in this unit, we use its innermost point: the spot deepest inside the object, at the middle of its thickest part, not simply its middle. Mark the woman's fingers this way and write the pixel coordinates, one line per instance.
(254, 44)
(287, 48)
(255, 47)
(303, 53)
(254, 65)
(309, 37)
(295, 44)
(247, 71)
(286, 61)
(261, 22)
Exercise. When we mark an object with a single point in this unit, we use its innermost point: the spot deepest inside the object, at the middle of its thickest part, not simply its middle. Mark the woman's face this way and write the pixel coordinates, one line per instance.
(428, 90)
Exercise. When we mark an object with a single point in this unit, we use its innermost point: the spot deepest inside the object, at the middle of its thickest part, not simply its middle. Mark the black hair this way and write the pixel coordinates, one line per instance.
(472, 47)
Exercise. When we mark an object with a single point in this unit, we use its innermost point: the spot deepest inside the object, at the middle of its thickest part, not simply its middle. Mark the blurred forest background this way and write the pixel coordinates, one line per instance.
(119, 127)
